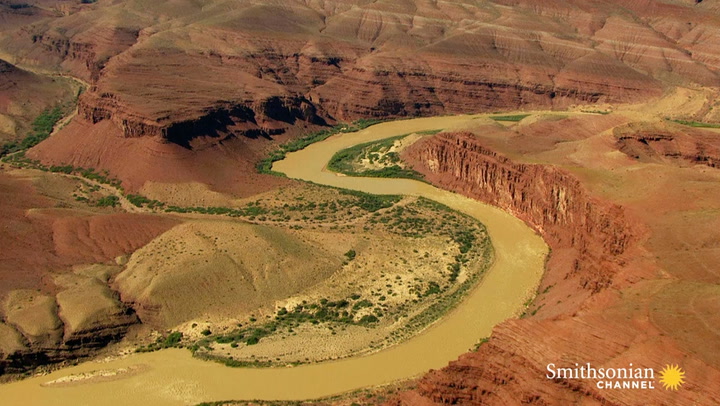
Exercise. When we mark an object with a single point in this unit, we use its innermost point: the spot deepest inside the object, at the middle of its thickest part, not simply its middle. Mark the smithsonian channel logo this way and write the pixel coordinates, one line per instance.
(672, 377)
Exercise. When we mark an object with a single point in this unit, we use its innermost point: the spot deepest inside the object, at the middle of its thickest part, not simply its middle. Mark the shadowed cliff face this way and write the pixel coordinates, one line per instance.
(169, 69)
(264, 118)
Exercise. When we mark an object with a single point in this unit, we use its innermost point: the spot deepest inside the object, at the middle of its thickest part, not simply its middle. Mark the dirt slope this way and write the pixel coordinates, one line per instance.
(44, 239)
(23, 96)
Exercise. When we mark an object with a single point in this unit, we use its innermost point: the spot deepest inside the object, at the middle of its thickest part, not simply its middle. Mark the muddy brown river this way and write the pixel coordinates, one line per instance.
(174, 377)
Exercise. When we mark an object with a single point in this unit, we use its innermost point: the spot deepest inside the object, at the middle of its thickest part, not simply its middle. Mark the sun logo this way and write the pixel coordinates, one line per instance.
(672, 377)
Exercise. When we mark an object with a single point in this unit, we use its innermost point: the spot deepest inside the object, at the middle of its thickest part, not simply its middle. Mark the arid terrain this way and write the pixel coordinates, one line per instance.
(192, 92)
(140, 210)
(630, 221)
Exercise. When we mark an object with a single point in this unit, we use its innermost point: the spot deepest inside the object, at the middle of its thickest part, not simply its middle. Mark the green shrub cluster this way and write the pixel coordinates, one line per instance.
(513, 118)
(248, 211)
(142, 201)
(464, 239)
(342, 311)
(107, 201)
(233, 363)
(265, 165)
(372, 203)
(375, 151)
(41, 129)
(171, 340)
(698, 124)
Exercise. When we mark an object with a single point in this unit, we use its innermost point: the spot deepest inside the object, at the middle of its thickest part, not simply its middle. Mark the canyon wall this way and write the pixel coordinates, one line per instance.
(259, 69)
(252, 118)
(590, 241)
(591, 236)
(620, 281)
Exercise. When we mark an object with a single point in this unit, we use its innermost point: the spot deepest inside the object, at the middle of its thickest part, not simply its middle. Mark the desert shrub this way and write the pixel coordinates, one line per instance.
(108, 201)
(433, 289)
(362, 304)
(138, 200)
(173, 339)
(368, 319)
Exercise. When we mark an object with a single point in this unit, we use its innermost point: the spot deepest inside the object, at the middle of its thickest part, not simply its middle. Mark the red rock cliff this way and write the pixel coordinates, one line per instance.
(591, 234)
(576, 318)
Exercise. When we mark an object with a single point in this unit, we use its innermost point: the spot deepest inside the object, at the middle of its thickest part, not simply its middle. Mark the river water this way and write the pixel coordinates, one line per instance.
(174, 377)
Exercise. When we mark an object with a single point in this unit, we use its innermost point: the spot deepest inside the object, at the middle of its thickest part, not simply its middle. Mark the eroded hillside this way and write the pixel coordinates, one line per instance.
(195, 74)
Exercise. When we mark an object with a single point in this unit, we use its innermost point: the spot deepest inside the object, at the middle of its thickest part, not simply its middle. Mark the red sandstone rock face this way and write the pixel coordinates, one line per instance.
(190, 74)
(632, 315)
(227, 166)
(263, 67)
(44, 243)
(592, 235)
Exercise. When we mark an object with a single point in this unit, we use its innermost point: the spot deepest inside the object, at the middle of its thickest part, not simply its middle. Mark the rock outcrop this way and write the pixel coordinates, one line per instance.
(690, 146)
(592, 235)
(48, 312)
(92, 314)
(266, 117)
(40, 330)
(624, 310)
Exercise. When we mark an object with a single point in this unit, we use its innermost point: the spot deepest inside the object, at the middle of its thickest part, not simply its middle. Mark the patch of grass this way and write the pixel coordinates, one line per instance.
(265, 165)
(697, 124)
(512, 117)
